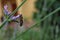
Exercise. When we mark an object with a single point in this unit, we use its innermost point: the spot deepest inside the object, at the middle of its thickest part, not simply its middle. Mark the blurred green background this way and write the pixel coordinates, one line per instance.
(41, 20)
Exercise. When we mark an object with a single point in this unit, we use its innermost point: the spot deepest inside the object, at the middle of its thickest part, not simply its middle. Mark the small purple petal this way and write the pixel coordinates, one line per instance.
(5, 6)
(15, 17)
(6, 10)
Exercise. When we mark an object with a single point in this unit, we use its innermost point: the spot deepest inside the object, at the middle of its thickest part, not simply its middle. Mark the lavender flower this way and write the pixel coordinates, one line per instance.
(8, 13)
(13, 18)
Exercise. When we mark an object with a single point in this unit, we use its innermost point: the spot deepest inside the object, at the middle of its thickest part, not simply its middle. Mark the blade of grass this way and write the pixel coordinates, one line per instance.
(36, 24)
(12, 14)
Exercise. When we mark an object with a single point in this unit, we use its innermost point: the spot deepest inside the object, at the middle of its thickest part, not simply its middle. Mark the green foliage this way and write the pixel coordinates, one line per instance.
(50, 18)
(30, 35)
